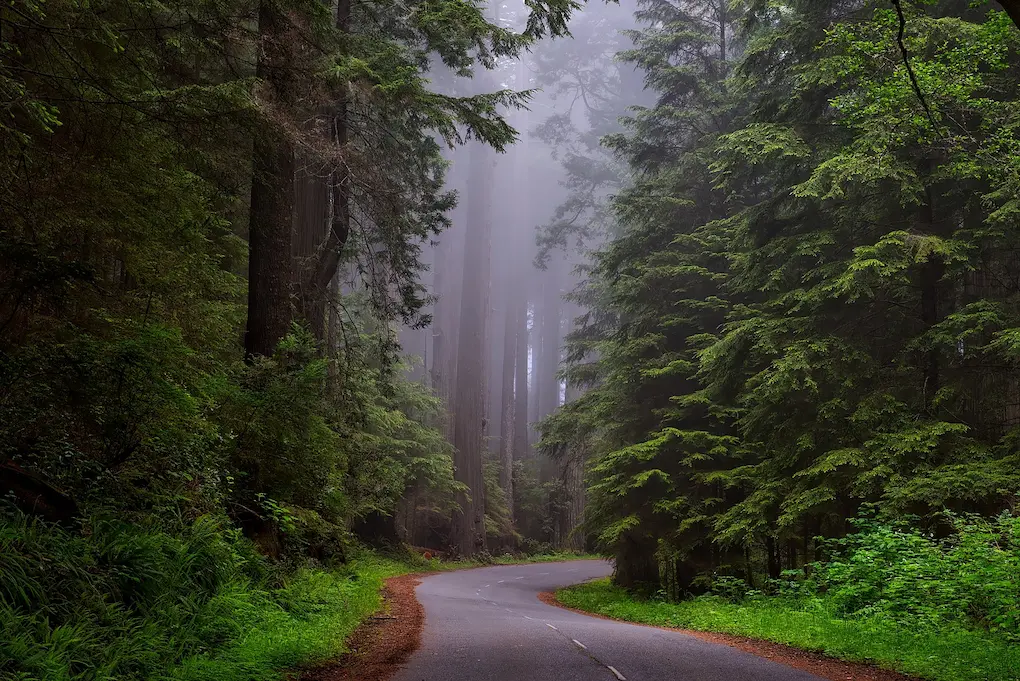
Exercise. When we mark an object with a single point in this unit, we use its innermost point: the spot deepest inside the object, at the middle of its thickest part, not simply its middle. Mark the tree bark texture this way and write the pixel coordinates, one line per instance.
(469, 422)
(272, 201)
(312, 204)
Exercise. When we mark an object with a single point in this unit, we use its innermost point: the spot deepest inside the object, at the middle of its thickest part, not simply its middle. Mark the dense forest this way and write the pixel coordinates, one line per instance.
(724, 290)
(805, 309)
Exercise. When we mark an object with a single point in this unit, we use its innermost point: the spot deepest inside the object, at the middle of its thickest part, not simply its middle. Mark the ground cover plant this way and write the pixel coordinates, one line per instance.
(939, 608)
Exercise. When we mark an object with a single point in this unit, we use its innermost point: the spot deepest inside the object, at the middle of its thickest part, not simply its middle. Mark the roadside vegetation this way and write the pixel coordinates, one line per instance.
(940, 609)
(201, 604)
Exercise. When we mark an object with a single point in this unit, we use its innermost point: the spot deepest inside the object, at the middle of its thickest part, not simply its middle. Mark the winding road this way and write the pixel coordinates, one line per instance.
(488, 624)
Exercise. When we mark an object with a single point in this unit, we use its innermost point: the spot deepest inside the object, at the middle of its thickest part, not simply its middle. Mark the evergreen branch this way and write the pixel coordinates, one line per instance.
(906, 62)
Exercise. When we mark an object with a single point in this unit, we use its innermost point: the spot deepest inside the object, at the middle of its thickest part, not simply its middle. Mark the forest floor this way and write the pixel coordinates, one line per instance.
(806, 636)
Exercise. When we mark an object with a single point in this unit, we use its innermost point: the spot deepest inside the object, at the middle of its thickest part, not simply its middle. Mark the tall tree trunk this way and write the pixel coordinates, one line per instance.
(521, 445)
(506, 427)
(329, 254)
(272, 200)
(538, 363)
(446, 288)
(573, 484)
(549, 362)
(930, 280)
(469, 425)
(312, 218)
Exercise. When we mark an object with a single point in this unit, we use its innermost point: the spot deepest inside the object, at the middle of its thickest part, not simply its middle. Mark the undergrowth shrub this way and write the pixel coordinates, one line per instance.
(971, 578)
(121, 601)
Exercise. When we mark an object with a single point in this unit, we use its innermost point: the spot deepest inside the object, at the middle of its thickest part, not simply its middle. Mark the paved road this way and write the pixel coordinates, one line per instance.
(488, 625)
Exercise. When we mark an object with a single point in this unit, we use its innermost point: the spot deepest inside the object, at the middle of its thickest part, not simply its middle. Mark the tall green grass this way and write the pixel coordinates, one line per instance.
(184, 601)
(122, 602)
(944, 654)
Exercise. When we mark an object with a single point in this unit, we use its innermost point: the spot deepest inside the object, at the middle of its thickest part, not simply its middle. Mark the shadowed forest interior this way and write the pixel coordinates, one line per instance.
(293, 292)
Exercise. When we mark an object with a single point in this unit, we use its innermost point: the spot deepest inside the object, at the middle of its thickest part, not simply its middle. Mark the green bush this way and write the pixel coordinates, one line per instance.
(123, 602)
(971, 578)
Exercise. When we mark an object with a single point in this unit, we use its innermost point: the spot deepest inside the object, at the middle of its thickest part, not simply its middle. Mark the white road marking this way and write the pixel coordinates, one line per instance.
(551, 626)
(528, 618)
(518, 577)
(486, 586)
(620, 676)
(500, 581)
(579, 644)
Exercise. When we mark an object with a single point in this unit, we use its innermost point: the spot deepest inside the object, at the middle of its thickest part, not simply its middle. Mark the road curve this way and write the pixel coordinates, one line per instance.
(487, 624)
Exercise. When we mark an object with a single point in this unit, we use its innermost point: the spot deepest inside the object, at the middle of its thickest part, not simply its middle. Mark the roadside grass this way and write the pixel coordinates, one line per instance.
(310, 620)
(305, 623)
(939, 655)
(186, 602)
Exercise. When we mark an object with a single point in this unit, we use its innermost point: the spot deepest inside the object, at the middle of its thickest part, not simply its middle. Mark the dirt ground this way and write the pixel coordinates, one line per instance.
(383, 642)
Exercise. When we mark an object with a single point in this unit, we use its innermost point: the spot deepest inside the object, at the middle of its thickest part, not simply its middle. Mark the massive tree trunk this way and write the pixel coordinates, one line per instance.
(469, 422)
(312, 212)
(272, 199)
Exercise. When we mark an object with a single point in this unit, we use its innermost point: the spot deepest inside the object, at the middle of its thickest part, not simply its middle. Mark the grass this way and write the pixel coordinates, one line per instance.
(308, 621)
(939, 655)
(194, 602)
(311, 619)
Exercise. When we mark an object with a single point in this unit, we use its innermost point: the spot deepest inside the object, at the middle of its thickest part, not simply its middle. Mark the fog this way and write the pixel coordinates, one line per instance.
(525, 223)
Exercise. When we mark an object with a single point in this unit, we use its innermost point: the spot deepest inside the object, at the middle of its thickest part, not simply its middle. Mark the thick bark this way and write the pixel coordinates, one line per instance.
(272, 203)
(573, 484)
(312, 220)
(469, 424)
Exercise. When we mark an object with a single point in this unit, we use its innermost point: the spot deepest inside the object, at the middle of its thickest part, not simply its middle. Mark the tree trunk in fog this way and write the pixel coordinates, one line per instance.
(330, 251)
(312, 205)
(446, 309)
(521, 444)
(272, 201)
(549, 362)
(469, 422)
(506, 426)
(574, 464)
(573, 484)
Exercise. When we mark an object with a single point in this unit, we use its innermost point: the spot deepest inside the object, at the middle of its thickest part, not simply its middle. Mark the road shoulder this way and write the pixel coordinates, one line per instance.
(808, 661)
(383, 642)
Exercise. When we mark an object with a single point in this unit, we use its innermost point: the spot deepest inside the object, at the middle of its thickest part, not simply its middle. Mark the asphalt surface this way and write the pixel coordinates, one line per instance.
(487, 624)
